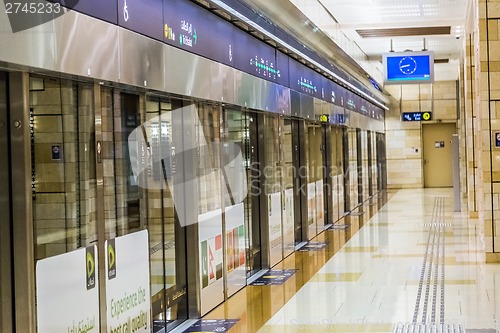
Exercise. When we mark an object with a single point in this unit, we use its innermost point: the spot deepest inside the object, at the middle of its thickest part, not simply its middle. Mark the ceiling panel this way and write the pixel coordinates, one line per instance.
(406, 24)
(399, 32)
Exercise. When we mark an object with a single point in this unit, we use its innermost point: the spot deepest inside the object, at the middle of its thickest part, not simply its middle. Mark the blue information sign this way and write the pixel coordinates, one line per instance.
(416, 116)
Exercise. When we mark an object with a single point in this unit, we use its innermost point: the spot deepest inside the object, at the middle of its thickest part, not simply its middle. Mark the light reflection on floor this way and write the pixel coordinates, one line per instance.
(368, 281)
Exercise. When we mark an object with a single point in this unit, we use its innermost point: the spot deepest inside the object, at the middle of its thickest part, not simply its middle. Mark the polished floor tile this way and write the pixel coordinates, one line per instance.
(370, 276)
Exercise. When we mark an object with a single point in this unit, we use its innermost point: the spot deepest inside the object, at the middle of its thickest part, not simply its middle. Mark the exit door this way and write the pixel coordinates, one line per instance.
(437, 154)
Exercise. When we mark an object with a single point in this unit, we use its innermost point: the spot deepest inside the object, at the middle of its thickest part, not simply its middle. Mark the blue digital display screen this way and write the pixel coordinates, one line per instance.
(411, 67)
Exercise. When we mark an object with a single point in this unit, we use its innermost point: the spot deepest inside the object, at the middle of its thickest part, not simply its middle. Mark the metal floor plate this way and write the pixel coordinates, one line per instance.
(430, 328)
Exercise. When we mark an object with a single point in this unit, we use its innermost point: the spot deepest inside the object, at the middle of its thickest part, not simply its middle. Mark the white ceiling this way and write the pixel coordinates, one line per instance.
(377, 14)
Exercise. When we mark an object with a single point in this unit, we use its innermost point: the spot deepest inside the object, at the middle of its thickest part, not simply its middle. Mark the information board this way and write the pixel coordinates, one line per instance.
(186, 26)
(302, 78)
(193, 28)
(255, 57)
(416, 116)
(222, 49)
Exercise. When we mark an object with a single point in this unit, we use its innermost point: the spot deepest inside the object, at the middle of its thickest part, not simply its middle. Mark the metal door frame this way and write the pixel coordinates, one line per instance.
(7, 302)
(359, 165)
(345, 165)
(255, 191)
(370, 164)
(327, 180)
(300, 181)
(22, 205)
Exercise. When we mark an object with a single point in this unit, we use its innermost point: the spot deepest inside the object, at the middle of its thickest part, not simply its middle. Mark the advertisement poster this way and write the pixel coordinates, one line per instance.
(67, 292)
(235, 240)
(210, 238)
(275, 238)
(127, 283)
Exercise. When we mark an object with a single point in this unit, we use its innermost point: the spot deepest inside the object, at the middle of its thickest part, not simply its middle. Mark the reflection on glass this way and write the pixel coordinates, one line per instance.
(237, 205)
(145, 199)
(272, 187)
(288, 182)
(352, 171)
(364, 177)
(242, 127)
(373, 143)
(208, 187)
(340, 170)
(63, 175)
(128, 192)
(314, 179)
(337, 173)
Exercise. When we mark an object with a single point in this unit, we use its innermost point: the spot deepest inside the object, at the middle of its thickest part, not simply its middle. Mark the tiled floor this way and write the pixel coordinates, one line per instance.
(369, 280)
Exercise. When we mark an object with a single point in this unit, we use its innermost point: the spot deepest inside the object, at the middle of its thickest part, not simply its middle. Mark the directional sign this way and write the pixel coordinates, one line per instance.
(416, 116)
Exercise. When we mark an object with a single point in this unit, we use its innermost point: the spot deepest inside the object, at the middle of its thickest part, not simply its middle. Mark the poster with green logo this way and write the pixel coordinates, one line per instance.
(62, 279)
(127, 283)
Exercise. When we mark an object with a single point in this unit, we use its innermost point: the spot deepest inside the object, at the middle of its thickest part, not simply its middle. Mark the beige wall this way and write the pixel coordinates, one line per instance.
(404, 139)
(482, 88)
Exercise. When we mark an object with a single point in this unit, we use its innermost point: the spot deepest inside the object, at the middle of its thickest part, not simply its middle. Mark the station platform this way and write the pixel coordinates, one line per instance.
(404, 260)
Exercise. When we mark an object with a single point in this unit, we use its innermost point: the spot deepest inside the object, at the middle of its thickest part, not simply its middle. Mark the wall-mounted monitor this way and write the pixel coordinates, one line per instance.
(408, 67)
